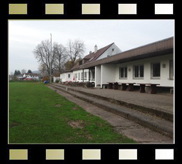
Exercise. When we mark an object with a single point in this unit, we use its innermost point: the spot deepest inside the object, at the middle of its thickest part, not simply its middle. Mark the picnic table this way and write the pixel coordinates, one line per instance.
(153, 87)
(130, 86)
(113, 85)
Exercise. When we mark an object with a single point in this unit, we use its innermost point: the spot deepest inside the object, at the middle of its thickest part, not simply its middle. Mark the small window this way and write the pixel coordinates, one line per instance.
(75, 75)
(78, 76)
(68, 75)
(138, 71)
(123, 72)
(93, 75)
(155, 70)
(85, 75)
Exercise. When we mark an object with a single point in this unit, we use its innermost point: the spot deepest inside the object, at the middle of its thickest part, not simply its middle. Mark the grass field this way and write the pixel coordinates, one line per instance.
(39, 115)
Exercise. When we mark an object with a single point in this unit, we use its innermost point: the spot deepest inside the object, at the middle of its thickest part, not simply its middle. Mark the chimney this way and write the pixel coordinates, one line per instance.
(95, 50)
(90, 52)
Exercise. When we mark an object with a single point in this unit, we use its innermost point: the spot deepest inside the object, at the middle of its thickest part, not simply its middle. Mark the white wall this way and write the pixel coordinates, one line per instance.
(110, 52)
(55, 78)
(164, 72)
(97, 75)
(80, 71)
(108, 73)
(64, 76)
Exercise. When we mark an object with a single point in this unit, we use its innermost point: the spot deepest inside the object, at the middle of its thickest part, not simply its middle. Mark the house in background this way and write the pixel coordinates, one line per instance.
(31, 76)
(66, 76)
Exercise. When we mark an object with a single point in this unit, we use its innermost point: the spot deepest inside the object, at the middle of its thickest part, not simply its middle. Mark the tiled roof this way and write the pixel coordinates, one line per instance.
(93, 56)
(149, 50)
(75, 67)
(99, 52)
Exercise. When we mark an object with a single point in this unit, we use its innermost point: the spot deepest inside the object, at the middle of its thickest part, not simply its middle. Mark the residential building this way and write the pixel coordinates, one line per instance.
(80, 75)
(33, 76)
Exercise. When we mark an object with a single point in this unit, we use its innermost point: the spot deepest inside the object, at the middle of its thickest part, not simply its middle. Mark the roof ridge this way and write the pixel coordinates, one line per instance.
(100, 49)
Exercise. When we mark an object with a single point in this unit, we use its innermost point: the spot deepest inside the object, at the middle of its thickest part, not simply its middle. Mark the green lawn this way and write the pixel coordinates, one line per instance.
(39, 115)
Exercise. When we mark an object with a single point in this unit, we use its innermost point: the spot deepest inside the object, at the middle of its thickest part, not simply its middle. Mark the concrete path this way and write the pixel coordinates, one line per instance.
(120, 124)
(162, 102)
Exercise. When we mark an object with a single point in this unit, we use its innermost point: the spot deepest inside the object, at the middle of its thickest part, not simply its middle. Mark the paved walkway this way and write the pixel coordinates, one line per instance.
(162, 102)
(124, 126)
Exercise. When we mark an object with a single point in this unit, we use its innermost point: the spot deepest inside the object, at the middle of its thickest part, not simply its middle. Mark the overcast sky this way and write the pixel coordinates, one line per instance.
(25, 35)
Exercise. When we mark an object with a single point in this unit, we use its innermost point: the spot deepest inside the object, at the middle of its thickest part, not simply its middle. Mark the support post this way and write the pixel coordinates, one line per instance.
(83, 75)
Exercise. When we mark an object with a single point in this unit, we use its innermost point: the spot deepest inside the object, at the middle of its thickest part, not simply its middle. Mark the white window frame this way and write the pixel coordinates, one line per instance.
(75, 75)
(85, 75)
(151, 66)
(81, 75)
(139, 75)
(125, 69)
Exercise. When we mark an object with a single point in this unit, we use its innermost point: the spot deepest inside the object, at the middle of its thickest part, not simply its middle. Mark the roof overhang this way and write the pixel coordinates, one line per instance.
(160, 48)
(144, 56)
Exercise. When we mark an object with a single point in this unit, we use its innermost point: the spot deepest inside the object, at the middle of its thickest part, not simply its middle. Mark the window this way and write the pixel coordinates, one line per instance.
(171, 69)
(93, 75)
(78, 76)
(155, 70)
(82, 76)
(75, 75)
(138, 71)
(85, 75)
(123, 72)
(68, 75)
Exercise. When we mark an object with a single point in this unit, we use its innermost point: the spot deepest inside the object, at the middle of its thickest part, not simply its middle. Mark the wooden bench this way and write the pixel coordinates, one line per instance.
(113, 85)
(153, 87)
(130, 86)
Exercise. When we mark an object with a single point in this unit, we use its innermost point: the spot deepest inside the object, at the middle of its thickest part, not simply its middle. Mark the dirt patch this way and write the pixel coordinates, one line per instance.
(76, 124)
(13, 124)
(58, 105)
(89, 137)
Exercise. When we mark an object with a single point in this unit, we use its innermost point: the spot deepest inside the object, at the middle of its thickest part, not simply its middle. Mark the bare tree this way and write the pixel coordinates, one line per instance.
(75, 50)
(43, 70)
(60, 57)
(44, 55)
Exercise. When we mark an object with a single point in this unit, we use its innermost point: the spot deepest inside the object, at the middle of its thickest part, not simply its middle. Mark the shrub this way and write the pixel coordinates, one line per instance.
(57, 81)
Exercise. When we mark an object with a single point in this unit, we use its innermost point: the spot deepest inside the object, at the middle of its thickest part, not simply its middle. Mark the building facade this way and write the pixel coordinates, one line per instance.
(148, 64)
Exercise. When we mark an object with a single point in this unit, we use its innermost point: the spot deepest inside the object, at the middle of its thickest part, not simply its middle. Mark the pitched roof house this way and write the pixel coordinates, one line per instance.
(31, 76)
(148, 64)
(76, 74)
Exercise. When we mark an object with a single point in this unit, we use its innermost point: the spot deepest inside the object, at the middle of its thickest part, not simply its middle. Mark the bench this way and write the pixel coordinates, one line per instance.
(153, 87)
(113, 85)
(130, 86)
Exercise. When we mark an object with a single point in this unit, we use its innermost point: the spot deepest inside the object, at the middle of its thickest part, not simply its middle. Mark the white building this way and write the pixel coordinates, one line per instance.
(150, 64)
(66, 76)
(33, 76)
(88, 75)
